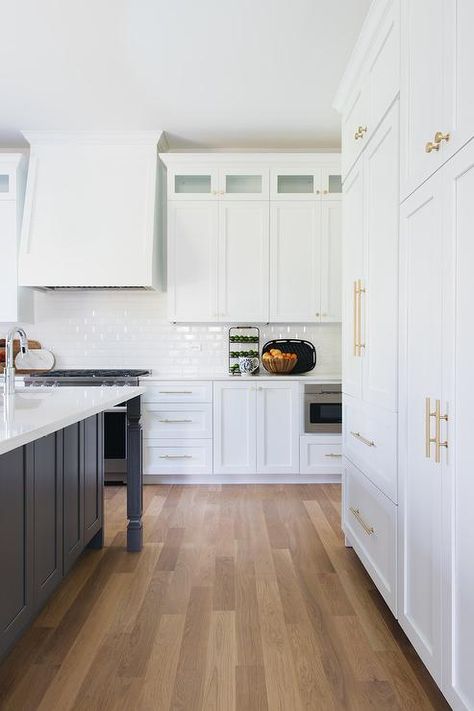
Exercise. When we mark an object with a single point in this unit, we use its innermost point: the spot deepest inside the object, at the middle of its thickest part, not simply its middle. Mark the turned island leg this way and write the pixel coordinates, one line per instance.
(134, 476)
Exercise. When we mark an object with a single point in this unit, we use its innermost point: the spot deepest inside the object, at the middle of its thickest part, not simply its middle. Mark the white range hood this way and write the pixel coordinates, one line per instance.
(91, 211)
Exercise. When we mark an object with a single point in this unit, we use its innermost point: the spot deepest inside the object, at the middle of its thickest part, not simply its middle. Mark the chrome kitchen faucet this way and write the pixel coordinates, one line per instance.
(9, 371)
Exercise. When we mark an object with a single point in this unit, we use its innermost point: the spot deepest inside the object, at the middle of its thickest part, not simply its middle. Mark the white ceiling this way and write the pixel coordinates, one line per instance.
(211, 73)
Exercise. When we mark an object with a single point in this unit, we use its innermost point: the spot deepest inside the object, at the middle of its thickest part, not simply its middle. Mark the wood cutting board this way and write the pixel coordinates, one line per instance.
(16, 349)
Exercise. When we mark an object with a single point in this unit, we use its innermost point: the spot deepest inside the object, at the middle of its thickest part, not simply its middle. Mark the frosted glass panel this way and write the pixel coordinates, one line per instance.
(192, 183)
(335, 184)
(4, 183)
(243, 183)
(295, 184)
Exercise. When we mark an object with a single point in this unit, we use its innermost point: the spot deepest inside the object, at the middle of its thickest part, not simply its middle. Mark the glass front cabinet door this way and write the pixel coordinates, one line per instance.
(306, 182)
(193, 183)
(244, 182)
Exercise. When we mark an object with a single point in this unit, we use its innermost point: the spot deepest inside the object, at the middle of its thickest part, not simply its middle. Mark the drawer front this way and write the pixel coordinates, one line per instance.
(178, 391)
(172, 456)
(370, 522)
(177, 420)
(370, 442)
(320, 455)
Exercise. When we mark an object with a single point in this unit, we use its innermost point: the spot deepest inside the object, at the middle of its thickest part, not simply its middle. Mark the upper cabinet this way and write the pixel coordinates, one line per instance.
(91, 215)
(371, 81)
(437, 101)
(306, 182)
(15, 303)
(233, 182)
(254, 238)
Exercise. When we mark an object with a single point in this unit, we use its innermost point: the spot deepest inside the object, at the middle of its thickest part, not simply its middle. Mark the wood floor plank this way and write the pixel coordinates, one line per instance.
(219, 687)
(244, 598)
(189, 683)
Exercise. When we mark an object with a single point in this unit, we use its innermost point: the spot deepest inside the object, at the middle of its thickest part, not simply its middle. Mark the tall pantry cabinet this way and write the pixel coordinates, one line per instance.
(432, 591)
(370, 228)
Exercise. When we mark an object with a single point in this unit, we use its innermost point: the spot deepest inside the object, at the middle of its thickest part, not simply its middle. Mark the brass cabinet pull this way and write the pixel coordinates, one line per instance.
(368, 529)
(358, 289)
(430, 146)
(429, 440)
(436, 440)
(361, 438)
(361, 130)
(355, 330)
(361, 290)
(440, 137)
(438, 443)
(173, 422)
(332, 454)
(176, 456)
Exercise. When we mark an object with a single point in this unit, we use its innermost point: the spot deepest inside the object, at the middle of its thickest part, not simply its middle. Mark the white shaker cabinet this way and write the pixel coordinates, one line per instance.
(193, 238)
(437, 98)
(256, 427)
(436, 456)
(370, 269)
(235, 428)
(218, 265)
(15, 303)
(252, 239)
(295, 282)
(457, 397)
(278, 415)
(420, 485)
(243, 261)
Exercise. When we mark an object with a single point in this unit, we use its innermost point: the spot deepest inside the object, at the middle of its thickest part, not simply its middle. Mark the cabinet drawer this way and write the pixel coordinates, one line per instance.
(370, 523)
(178, 391)
(370, 442)
(320, 454)
(172, 456)
(177, 420)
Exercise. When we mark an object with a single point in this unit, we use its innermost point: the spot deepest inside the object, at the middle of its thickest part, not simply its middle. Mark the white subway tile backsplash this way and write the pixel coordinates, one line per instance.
(123, 329)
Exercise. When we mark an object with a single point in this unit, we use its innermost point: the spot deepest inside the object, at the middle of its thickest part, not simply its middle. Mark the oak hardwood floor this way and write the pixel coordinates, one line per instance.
(243, 599)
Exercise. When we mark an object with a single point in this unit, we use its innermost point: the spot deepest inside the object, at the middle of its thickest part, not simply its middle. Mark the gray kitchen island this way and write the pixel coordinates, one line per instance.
(51, 491)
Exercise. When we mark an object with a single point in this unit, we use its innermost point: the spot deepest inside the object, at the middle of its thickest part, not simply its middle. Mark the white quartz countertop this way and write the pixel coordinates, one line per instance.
(311, 377)
(32, 413)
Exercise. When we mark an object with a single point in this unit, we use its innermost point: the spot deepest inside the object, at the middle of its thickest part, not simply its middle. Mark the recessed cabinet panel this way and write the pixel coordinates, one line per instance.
(295, 230)
(422, 349)
(278, 414)
(243, 261)
(235, 428)
(192, 251)
(331, 261)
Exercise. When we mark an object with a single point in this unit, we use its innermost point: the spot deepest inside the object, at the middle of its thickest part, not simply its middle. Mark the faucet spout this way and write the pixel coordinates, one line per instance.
(9, 371)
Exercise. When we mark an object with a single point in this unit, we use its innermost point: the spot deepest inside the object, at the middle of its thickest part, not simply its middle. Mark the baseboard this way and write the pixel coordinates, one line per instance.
(242, 479)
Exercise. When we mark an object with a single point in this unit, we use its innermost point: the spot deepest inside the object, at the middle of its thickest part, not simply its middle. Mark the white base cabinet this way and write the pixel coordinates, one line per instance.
(256, 428)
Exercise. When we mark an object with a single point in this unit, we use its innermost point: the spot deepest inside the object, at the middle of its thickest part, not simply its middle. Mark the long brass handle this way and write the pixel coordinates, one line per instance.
(354, 296)
(331, 454)
(176, 456)
(361, 438)
(361, 290)
(429, 440)
(438, 443)
(172, 422)
(368, 529)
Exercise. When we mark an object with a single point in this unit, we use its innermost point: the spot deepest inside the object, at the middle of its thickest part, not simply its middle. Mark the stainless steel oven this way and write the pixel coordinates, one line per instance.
(323, 408)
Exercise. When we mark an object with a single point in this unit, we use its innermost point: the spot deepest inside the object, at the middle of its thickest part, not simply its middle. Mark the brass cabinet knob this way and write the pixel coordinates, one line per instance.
(317, 192)
(440, 136)
(431, 147)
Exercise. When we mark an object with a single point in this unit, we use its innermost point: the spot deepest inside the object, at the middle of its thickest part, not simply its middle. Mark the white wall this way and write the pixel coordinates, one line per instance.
(120, 329)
